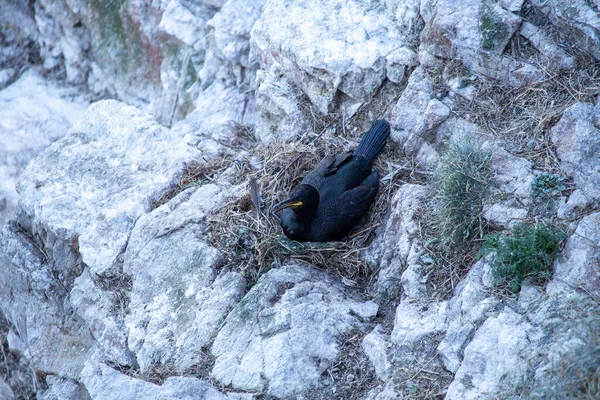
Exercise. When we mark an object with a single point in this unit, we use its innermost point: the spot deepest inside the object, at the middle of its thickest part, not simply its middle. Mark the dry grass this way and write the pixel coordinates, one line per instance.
(425, 381)
(521, 117)
(353, 374)
(195, 173)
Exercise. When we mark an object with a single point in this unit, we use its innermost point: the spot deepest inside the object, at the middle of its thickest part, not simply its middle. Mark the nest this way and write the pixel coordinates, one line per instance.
(250, 236)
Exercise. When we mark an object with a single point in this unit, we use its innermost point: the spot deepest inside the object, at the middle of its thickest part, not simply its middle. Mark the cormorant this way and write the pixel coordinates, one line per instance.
(333, 197)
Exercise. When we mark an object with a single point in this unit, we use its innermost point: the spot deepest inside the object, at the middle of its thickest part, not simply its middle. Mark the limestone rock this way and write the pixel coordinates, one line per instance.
(103, 382)
(93, 184)
(580, 259)
(497, 355)
(389, 253)
(546, 46)
(177, 303)
(579, 19)
(63, 389)
(101, 302)
(220, 111)
(575, 205)
(503, 216)
(282, 336)
(280, 107)
(467, 310)
(180, 37)
(375, 345)
(33, 114)
(355, 39)
(475, 32)
(577, 140)
(18, 39)
(35, 301)
(510, 190)
(414, 321)
(5, 390)
(228, 56)
(412, 104)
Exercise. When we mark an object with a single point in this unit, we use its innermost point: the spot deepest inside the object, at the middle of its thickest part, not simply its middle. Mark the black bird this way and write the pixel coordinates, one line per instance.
(333, 197)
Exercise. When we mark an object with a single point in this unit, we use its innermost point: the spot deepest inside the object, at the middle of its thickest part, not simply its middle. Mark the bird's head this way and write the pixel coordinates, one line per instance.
(303, 199)
(298, 211)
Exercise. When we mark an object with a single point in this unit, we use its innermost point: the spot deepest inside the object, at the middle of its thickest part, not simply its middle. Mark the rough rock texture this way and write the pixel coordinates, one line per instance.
(375, 346)
(579, 266)
(57, 339)
(103, 45)
(17, 40)
(475, 32)
(143, 159)
(577, 140)
(579, 19)
(177, 302)
(497, 354)
(103, 382)
(290, 320)
(510, 191)
(33, 114)
(398, 249)
(228, 55)
(467, 309)
(348, 66)
(64, 389)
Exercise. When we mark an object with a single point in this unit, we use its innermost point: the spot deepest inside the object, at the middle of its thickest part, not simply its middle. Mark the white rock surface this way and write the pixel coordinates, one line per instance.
(467, 310)
(510, 190)
(412, 103)
(580, 259)
(375, 345)
(103, 312)
(5, 390)
(496, 357)
(354, 40)
(577, 140)
(105, 383)
(33, 114)
(63, 389)
(575, 205)
(228, 56)
(57, 339)
(415, 320)
(397, 245)
(104, 175)
(92, 276)
(177, 303)
(283, 334)
(18, 39)
(579, 19)
(475, 32)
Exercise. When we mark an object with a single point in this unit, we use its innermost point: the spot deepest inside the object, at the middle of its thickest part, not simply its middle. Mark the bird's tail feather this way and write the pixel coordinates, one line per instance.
(373, 141)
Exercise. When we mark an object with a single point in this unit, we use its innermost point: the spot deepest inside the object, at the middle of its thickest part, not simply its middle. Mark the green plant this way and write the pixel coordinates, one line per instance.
(526, 251)
(547, 185)
(459, 185)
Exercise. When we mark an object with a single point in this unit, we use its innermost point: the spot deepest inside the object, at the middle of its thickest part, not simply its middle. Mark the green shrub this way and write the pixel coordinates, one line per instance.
(547, 185)
(459, 184)
(526, 251)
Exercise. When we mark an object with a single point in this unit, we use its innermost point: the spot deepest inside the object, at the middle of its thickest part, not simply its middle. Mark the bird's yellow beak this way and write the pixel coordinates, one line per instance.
(287, 204)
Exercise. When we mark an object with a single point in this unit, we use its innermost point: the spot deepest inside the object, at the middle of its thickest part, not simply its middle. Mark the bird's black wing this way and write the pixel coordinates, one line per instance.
(355, 203)
(327, 166)
(338, 160)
